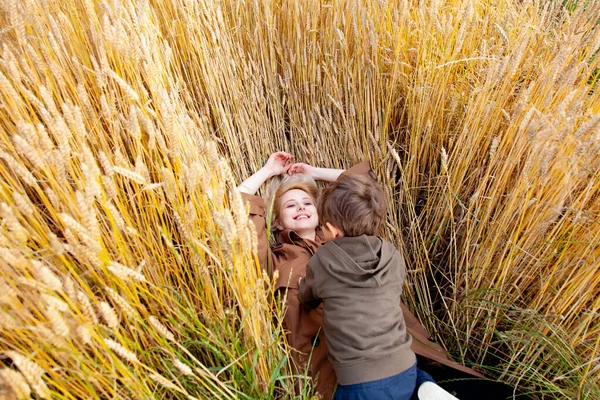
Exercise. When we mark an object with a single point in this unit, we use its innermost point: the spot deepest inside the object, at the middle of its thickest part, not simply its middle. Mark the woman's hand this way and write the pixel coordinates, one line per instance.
(302, 168)
(278, 163)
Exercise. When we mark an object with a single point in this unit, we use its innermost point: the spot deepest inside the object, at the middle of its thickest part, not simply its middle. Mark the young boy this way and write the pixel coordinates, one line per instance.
(359, 278)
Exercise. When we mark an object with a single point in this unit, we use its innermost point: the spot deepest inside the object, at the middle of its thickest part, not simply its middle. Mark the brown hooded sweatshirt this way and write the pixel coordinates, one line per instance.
(359, 279)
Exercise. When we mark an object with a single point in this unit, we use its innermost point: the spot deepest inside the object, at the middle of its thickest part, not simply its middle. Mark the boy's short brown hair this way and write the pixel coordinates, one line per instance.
(355, 204)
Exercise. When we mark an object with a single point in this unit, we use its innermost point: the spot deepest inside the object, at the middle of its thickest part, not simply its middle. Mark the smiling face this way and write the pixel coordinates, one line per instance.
(297, 212)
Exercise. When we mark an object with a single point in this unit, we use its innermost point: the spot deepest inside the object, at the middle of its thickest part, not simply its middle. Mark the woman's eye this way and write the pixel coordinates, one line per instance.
(290, 205)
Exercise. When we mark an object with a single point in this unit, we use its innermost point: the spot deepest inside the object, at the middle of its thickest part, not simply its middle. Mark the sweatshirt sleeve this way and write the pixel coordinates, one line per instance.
(306, 290)
(256, 212)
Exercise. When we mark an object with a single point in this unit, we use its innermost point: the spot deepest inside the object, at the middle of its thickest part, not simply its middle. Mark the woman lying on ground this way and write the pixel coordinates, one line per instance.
(295, 220)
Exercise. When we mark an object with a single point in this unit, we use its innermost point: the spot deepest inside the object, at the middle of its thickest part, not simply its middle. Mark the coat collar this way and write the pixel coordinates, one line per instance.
(289, 236)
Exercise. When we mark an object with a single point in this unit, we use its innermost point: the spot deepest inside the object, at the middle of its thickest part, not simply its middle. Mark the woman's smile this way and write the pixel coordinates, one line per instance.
(297, 212)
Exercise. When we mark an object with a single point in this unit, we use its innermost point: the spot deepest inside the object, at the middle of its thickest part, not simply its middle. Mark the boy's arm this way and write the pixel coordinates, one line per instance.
(306, 289)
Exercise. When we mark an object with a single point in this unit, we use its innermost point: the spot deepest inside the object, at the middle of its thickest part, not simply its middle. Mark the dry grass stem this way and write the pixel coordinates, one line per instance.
(125, 127)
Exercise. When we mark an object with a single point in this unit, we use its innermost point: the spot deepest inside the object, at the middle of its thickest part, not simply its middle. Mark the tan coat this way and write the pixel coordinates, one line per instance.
(289, 258)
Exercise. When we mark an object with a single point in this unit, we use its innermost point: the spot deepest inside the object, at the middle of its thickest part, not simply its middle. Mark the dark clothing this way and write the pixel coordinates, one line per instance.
(360, 279)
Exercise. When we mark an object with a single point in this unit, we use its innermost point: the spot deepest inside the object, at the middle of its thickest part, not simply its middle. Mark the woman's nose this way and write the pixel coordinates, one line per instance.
(301, 207)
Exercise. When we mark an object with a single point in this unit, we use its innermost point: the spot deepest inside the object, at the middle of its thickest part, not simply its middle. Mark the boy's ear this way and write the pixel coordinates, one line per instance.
(335, 231)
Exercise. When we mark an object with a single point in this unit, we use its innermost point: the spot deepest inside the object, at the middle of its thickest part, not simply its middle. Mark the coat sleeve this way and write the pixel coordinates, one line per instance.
(306, 290)
(256, 211)
(362, 168)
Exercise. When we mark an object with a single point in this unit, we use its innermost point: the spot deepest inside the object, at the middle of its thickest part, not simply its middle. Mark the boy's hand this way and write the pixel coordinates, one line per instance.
(302, 168)
(278, 163)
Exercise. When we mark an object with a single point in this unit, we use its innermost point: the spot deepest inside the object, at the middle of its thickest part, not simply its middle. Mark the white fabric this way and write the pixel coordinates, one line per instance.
(431, 391)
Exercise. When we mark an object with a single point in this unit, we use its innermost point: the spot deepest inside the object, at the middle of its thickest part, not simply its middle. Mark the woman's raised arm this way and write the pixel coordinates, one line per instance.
(277, 164)
(323, 174)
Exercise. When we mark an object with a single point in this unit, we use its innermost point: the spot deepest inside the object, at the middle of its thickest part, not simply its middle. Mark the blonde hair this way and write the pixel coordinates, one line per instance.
(298, 181)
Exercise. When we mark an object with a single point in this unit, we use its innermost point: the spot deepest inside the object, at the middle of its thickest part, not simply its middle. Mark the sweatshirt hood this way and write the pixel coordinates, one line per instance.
(360, 261)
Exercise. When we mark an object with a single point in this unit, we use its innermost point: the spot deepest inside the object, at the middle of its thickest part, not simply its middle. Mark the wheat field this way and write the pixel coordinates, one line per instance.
(128, 264)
